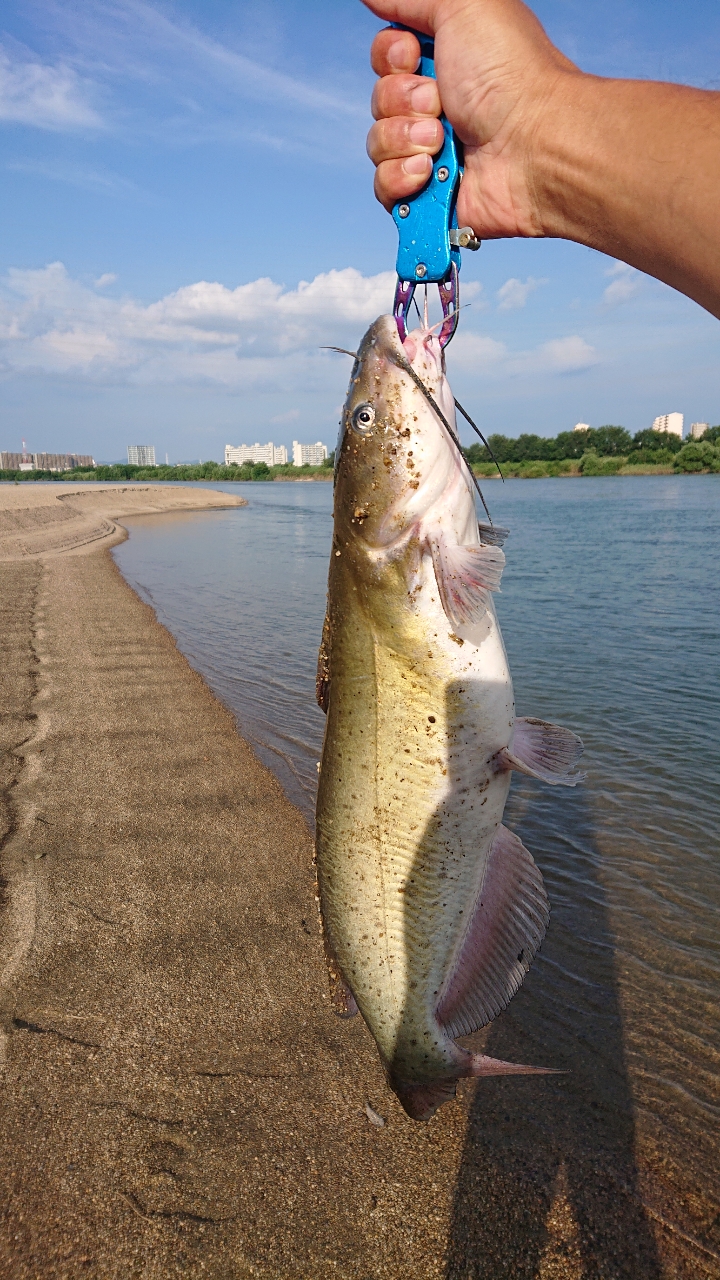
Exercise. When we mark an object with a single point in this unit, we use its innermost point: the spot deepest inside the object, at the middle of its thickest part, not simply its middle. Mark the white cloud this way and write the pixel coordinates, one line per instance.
(159, 75)
(567, 355)
(108, 277)
(87, 177)
(476, 351)
(625, 284)
(249, 76)
(255, 334)
(479, 353)
(44, 96)
(258, 335)
(513, 294)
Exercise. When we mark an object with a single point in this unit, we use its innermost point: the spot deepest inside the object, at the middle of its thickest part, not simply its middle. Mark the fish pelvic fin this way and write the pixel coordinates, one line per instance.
(465, 576)
(545, 751)
(504, 932)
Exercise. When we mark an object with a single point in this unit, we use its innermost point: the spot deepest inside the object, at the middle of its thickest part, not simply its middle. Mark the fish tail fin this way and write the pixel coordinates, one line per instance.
(421, 1101)
(483, 1066)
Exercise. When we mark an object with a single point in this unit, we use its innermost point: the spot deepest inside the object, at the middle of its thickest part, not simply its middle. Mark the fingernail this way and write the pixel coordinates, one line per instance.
(415, 165)
(424, 133)
(397, 56)
(423, 99)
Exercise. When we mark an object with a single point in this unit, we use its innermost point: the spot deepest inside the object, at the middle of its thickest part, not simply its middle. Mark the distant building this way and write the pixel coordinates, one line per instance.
(581, 426)
(44, 461)
(672, 422)
(62, 461)
(141, 455)
(312, 455)
(275, 455)
(698, 429)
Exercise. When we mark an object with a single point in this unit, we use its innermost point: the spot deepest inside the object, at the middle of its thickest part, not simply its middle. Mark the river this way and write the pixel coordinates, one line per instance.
(610, 610)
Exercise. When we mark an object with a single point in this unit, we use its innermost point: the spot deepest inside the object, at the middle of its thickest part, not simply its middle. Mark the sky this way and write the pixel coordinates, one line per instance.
(187, 217)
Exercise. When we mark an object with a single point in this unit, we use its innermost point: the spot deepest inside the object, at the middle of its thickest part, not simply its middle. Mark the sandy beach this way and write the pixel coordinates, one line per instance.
(176, 1097)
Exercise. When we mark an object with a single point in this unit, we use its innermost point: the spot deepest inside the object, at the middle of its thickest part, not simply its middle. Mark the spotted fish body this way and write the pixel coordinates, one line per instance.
(432, 910)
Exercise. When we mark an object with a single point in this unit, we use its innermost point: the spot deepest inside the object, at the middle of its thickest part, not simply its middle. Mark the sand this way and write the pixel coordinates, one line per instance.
(176, 1097)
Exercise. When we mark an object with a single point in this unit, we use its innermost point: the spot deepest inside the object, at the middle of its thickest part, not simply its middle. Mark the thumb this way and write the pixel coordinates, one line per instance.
(419, 14)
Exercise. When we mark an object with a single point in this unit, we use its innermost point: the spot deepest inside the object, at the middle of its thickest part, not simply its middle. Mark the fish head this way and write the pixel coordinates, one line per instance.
(395, 458)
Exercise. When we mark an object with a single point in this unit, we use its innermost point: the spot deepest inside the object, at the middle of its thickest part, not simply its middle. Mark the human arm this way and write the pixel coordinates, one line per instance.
(631, 168)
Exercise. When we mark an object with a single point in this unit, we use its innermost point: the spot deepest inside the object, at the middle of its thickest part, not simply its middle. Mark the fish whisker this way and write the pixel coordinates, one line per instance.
(343, 351)
(477, 431)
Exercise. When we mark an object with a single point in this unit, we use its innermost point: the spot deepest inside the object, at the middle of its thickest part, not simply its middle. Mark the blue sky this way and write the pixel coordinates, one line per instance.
(187, 215)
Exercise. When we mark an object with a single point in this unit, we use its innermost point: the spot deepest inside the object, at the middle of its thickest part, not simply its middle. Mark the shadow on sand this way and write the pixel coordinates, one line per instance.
(548, 1182)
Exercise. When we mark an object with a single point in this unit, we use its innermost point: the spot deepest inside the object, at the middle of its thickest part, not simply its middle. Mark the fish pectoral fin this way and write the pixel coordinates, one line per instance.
(506, 928)
(465, 576)
(545, 751)
(322, 680)
(492, 534)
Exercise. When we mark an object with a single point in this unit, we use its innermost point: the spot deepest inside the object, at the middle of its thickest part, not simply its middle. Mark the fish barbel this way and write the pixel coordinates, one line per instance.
(432, 910)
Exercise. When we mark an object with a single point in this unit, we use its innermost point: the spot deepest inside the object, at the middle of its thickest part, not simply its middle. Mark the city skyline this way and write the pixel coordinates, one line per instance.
(279, 454)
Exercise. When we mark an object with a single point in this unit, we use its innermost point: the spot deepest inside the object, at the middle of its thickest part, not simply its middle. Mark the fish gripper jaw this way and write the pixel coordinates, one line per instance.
(449, 291)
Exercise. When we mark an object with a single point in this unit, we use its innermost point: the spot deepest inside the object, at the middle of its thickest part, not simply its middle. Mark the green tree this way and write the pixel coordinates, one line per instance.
(261, 471)
(610, 442)
(698, 455)
(650, 440)
(571, 444)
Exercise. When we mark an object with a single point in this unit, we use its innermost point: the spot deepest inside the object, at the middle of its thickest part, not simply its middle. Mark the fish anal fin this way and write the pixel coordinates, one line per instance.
(465, 576)
(545, 751)
(322, 680)
(505, 930)
(421, 1101)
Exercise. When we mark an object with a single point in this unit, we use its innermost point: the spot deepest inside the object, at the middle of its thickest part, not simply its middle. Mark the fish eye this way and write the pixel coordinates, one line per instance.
(362, 419)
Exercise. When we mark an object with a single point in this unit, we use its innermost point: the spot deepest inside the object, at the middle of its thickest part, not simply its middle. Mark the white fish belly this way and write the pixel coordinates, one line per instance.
(409, 807)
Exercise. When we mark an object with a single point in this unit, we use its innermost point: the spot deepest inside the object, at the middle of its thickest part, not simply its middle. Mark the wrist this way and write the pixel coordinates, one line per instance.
(556, 149)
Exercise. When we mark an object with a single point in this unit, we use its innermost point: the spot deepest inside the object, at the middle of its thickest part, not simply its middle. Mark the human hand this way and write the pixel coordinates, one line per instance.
(498, 77)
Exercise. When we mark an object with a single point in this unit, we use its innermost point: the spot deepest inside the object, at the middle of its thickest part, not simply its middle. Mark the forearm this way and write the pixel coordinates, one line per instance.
(632, 168)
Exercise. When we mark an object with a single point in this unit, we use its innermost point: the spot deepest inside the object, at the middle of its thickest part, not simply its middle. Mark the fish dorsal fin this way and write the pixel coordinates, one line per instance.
(465, 576)
(506, 928)
(545, 751)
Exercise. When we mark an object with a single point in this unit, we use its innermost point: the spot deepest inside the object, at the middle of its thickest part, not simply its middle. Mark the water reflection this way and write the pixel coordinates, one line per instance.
(548, 1172)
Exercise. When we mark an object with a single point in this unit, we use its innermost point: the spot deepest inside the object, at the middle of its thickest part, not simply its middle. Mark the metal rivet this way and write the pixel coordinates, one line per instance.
(443, 174)
(403, 210)
(421, 270)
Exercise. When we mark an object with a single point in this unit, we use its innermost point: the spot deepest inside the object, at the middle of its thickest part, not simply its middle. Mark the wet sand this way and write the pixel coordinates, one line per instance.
(175, 1096)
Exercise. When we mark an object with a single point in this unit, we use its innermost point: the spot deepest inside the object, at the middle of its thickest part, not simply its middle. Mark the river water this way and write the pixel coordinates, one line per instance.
(610, 610)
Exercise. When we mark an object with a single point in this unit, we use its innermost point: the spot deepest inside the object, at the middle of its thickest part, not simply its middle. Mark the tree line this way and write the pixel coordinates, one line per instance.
(193, 471)
(645, 447)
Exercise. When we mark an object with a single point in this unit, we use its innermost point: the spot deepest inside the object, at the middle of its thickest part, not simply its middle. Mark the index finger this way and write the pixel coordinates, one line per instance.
(393, 52)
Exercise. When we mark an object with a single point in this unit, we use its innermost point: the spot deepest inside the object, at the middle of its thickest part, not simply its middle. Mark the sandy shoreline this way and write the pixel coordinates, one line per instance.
(176, 1097)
